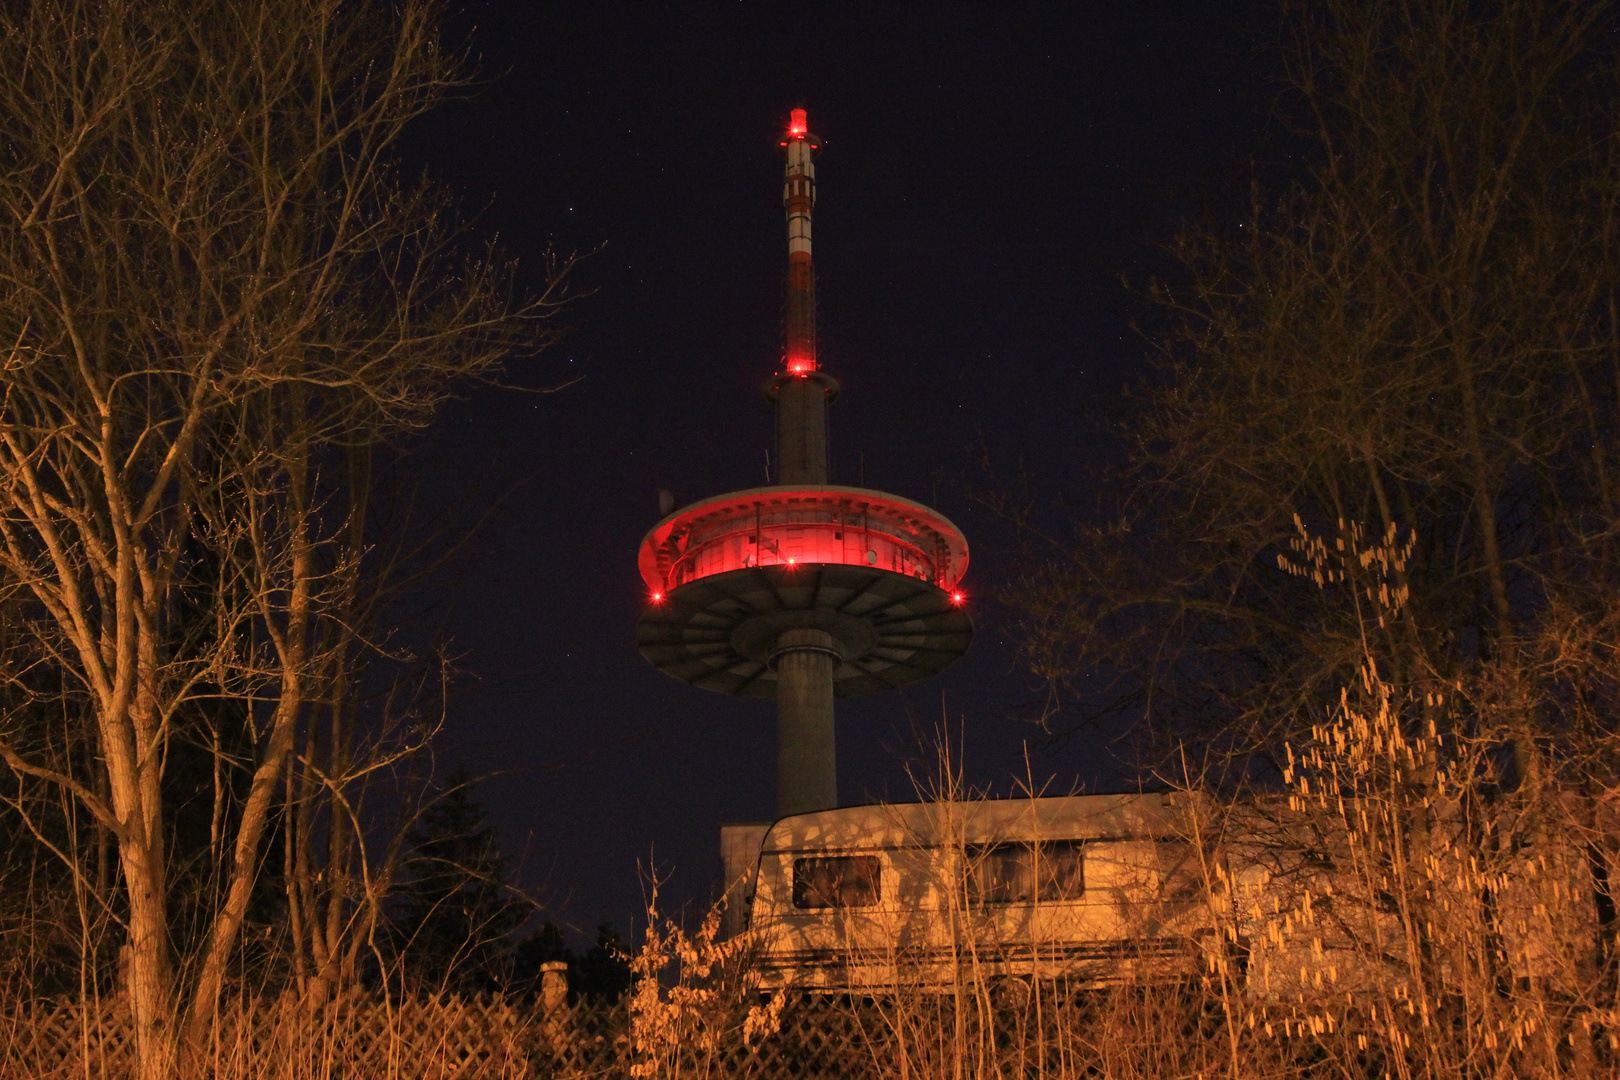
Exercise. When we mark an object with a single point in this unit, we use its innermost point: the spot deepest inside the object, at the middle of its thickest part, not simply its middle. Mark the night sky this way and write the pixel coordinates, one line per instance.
(988, 171)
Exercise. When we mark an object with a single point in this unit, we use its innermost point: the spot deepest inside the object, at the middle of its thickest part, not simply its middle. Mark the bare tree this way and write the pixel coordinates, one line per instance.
(214, 282)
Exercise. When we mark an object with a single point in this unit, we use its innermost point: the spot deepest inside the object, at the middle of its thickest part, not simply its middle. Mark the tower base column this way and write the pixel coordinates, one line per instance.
(806, 759)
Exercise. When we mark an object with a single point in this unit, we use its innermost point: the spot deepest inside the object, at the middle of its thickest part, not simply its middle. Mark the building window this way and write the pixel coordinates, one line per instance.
(838, 881)
(1022, 873)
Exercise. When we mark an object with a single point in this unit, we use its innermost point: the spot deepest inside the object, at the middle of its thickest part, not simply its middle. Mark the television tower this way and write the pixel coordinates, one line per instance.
(803, 591)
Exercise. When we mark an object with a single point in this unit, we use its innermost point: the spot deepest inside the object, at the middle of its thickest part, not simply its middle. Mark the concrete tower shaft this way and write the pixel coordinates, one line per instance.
(801, 425)
(806, 749)
(805, 659)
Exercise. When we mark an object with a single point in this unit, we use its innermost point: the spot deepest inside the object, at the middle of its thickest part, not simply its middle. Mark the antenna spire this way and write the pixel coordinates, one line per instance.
(800, 391)
(799, 200)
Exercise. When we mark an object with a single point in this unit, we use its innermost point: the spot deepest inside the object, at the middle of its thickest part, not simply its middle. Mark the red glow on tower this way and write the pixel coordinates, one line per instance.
(803, 590)
(795, 527)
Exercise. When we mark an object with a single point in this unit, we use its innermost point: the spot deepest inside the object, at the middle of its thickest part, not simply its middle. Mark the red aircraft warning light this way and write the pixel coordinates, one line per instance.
(804, 590)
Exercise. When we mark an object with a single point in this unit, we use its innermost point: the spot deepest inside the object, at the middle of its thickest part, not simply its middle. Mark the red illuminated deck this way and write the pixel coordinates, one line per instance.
(791, 526)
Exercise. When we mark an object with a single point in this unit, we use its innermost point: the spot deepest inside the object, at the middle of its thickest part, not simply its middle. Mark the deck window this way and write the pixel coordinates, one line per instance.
(1022, 873)
(837, 881)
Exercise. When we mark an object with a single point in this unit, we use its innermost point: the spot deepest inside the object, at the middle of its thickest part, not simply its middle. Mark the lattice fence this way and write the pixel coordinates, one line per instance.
(440, 1039)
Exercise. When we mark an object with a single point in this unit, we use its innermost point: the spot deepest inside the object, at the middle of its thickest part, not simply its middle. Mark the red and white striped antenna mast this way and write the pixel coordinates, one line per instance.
(799, 200)
(801, 391)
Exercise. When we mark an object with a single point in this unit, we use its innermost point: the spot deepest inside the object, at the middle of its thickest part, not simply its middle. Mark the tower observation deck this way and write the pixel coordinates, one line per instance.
(804, 591)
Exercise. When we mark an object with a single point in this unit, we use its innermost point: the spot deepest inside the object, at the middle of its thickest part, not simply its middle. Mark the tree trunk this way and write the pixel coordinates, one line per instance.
(151, 977)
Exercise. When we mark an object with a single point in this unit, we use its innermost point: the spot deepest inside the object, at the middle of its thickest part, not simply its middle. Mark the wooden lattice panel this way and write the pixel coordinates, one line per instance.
(450, 1038)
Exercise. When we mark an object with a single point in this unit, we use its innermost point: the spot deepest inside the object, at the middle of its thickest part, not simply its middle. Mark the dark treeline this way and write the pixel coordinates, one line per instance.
(1415, 344)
